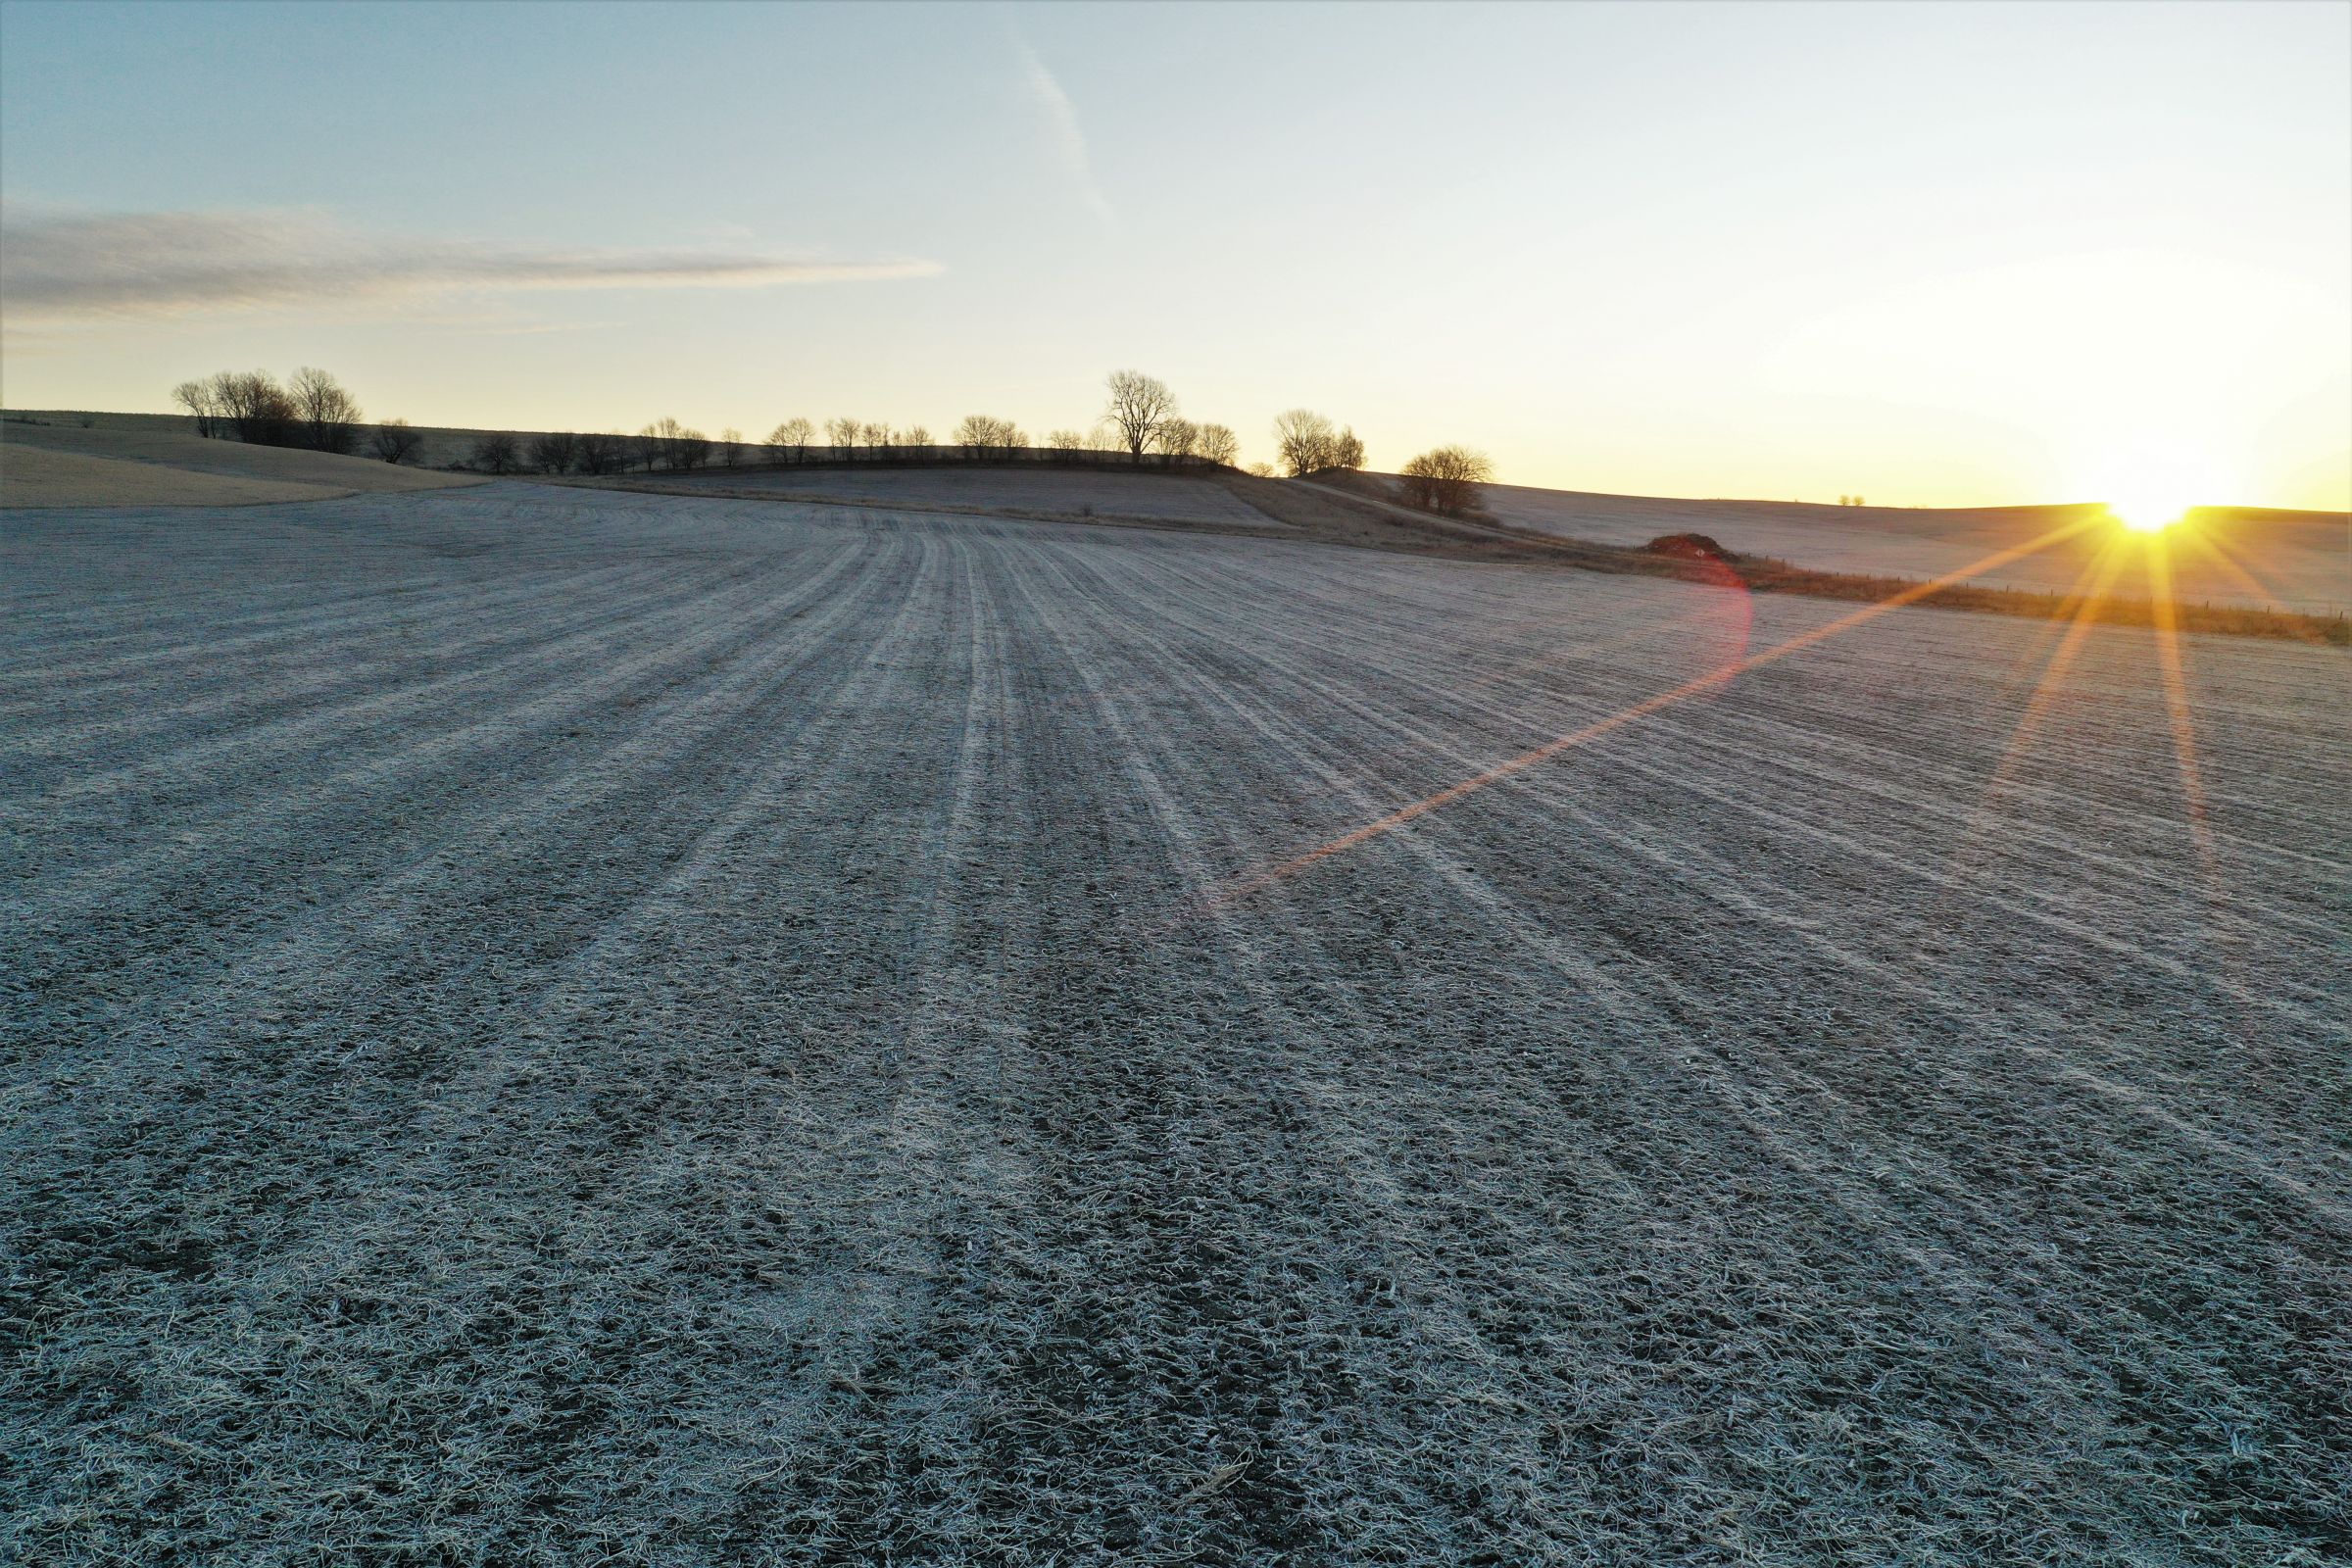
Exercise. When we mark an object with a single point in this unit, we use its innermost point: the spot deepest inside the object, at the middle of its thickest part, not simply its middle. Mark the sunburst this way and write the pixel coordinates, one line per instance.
(2088, 598)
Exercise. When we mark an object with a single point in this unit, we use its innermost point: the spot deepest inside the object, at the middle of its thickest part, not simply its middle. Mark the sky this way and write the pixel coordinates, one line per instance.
(1936, 255)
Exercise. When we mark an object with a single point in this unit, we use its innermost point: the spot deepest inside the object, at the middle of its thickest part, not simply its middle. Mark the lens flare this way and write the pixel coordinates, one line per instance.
(2151, 511)
(1722, 675)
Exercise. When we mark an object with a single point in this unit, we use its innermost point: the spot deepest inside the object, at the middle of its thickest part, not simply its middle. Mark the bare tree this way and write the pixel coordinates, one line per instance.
(1176, 439)
(674, 445)
(202, 400)
(220, 387)
(256, 407)
(1303, 439)
(918, 438)
(331, 416)
(604, 452)
(1307, 443)
(1219, 445)
(792, 439)
(194, 397)
(1139, 405)
(730, 448)
(233, 397)
(843, 434)
(1446, 480)
(555, 452)
(395, 442)
(1262, 469)
(983, 433)
(877, 438)
(1065, 441)
(494, 453)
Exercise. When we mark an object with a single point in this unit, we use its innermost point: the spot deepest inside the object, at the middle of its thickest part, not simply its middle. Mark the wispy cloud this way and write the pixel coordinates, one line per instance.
(62, 269)
(1062, 123)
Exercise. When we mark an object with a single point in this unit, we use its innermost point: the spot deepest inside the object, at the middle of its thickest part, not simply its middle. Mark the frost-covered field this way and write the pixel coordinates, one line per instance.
(548, 1026)
(2303, 565)
(63, 464)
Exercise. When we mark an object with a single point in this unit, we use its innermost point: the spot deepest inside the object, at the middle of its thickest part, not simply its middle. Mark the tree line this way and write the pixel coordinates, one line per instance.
(1140, 419)
(311, 410)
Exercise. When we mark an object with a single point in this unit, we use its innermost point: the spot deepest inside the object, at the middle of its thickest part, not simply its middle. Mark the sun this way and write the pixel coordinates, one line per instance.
(2148, 508)
(2151, 519)
(2150, 484)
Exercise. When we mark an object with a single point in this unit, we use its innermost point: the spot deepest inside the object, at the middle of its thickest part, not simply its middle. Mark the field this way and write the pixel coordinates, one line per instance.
(61, 464)
(548, 1025)
(2291, 560)
(1046, 491)
(440, 446)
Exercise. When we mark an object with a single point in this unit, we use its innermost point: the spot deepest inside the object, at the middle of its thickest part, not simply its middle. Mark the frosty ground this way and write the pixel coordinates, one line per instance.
(556, 1026)
(2299, 562)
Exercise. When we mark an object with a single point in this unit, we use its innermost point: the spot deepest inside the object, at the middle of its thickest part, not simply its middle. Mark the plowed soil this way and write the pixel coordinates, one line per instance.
(554, 1026)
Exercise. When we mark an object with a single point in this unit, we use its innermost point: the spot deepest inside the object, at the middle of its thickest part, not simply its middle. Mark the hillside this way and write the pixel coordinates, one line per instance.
(2244, 556)
(125, 465)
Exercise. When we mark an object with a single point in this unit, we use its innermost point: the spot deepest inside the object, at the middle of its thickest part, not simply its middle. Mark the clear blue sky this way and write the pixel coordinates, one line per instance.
(1934, 254)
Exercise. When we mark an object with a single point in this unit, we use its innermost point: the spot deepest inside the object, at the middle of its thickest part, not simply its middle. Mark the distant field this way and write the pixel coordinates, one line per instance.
(2299, 562)
(40, 477)
(66, 466)
(1054, 491)
(2274, 560)
(443, 447)
(554, 1025)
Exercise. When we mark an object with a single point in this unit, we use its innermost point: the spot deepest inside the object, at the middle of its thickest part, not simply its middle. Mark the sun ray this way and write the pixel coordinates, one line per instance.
(1243, 887)
(2079, 613)
(2217, 548)
(2175, 702)
(2086, 602)
(2223, 558)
